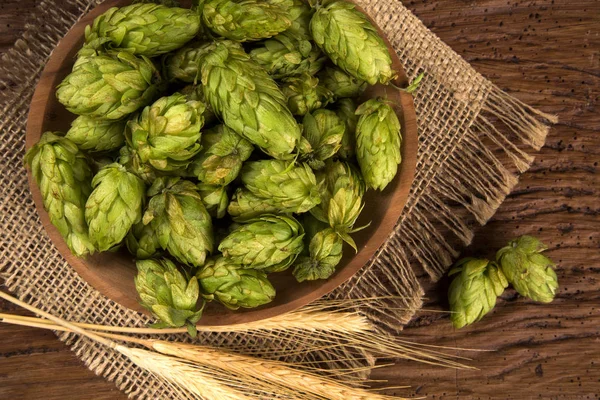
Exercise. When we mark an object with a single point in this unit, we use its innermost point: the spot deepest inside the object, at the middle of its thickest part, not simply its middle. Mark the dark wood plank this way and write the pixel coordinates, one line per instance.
(546, 53)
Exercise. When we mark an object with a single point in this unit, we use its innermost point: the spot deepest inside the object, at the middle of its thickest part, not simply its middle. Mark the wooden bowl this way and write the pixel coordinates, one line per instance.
(112, 273)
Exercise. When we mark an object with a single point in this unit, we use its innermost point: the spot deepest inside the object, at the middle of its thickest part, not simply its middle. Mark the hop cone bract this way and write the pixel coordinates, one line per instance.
(132, 162)
(304, 94)
(166, 134)
(352, 42)
(223, 153)
(144, 29)
(528, 270)
(215, 199)
(474, 290)
(245, 20)
(378, 142)
(94, 135)
(234, 286)
(114, 206)
(168, 294)
(346, 111)
(179, 218)
(341, 84)
(323, 130)
(142, 241)
(286, 186)
(244, 205)
(196, 93)
(185, 64)
(269, 241)
(109, 86)
(248, 100)
(64, 177)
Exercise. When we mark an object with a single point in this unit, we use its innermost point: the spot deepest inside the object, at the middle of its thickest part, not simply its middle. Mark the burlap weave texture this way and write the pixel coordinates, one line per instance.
(471, 138)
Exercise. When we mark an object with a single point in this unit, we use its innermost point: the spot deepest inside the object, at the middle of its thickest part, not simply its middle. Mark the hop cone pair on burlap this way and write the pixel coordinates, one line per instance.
(166, 135)
(64, 177)
(275, 186)
(109, 86)
(323, 132)
(270, 243)
(233, 285)
(479, 282)
(177, 215)
(291, 53)
(247, 20)
(171, 296)
(325, 248)
(143, 29)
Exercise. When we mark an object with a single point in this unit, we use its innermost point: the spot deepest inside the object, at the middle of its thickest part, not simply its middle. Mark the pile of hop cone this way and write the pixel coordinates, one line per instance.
(220, 144)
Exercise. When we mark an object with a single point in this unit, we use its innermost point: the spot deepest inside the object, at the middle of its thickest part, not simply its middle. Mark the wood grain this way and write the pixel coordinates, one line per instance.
(546, 53)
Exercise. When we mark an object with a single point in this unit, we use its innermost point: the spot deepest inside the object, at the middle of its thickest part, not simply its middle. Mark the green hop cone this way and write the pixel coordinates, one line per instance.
(109, 87)
(342, 199)
(378, 141)
(168, 294)
(184, 65)
(341, 84)
(166, 134)
(244, 205)
(285, 185)
(223, 153)
(324, 131)
(93, 135)
(473, 292)
(352, 42)
(179, 218)
(246, 20)
(346, 111)
(142, 241)
(248, 100)
(132, 162)
(234, 286)
(324, 252)
(528, 270)
(215, 199)
(270, 241)
(291, 53)
(143, 29)
(63, 175)
(304, 94)
(196, 93)
(114, 205)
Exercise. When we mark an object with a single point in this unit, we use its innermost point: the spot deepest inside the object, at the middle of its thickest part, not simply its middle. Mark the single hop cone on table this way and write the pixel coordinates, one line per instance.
(305, 95)
(110, 86)
(234, 286)
(215, 199)
(64, 177)
(341, 84)
(244, 205)
(346, 111)
(114, 206)
(529, 271)
(323, 131)
(142, 241)
(223, 153)
(143, 29)
(325, 249)
(93, 135)
(168, 294)
(182, 224)
(342, 199)
(166, 134)
(246, 20)
(269, 243)
(248, 100)
(284, 185)
(378, 141)
(352, 42)
(473, 292)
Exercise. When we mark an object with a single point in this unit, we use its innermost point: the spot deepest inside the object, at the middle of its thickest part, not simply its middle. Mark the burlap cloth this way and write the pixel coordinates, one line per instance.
(472, 142)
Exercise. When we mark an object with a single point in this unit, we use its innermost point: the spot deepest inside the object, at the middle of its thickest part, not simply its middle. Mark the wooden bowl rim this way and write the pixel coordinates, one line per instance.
(38, 116)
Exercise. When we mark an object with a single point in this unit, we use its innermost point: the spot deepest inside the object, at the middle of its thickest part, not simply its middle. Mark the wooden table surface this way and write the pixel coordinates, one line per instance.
(544, 52)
